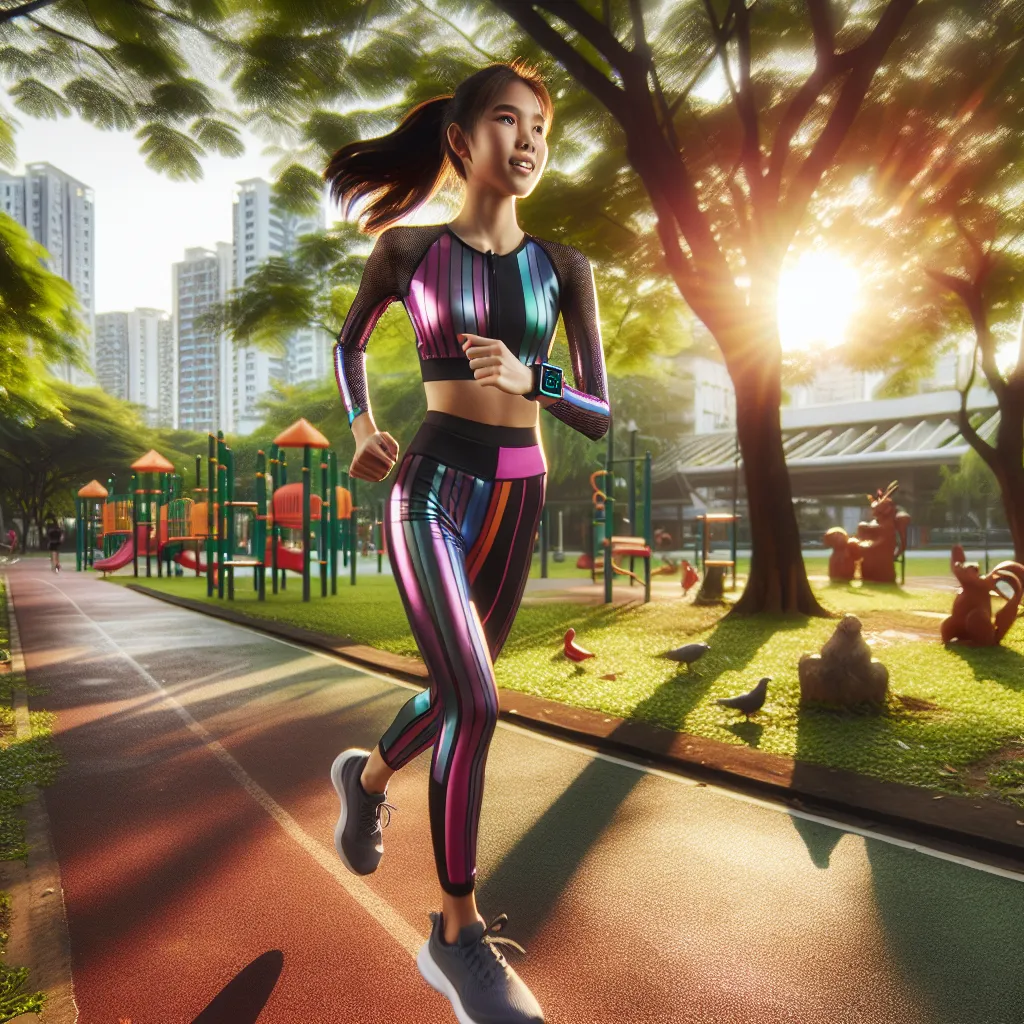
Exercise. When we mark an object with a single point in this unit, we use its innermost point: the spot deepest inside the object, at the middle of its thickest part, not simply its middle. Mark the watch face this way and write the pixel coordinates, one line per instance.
(551, 381)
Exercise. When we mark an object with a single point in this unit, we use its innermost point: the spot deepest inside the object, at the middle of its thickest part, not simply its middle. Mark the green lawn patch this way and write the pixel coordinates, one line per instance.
(28, 761)
(954, 720)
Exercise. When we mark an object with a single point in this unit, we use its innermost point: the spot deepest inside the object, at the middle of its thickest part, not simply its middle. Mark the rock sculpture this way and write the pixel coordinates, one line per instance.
(878, 544)
(844, 673)
(971, 620)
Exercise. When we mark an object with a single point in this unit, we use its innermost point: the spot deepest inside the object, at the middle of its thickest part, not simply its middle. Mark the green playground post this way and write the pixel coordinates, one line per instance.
(229, 459)
(79, 529)
(259, 529)
(211, 500)
(322, 528)
(345, 523)
(275, 465)
(222, 479)
(332, 469)
(380, 537)
(648, 534)
(135, 524)
(306, 493)
(283, 452)
(353, 538)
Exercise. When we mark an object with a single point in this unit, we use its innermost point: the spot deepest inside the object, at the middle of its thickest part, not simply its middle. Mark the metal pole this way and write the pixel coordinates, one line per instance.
(211, 517)
(631, 427)
(352, 531)
(306, 492)
(544, 529)
(648, 536)
(332, 555)
(322, 532)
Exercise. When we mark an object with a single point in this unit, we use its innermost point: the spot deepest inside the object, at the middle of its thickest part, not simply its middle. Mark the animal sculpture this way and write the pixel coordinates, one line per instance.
(971, 621)
(878, 543)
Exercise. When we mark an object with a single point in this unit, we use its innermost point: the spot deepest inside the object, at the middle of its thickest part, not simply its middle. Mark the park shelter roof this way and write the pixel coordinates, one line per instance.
(833, 447)
(153, 462)
(93, 489)
(300, 434)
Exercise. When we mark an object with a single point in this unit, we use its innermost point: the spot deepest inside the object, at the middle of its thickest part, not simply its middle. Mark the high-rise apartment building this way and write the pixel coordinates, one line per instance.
(135, 361)
(262, 231)
(57, 210)
(204, 277)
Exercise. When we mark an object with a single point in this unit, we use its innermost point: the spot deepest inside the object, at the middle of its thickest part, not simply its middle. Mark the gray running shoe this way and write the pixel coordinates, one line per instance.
(473, 974)
(357, 836)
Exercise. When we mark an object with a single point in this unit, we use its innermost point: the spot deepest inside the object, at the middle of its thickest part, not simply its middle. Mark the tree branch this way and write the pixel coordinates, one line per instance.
(869, 55)
(582, 70)
(20, 12)
(455, 28)
(750, 151)
(969, 292)
(595, 31)
(643, 49)
(823, 27)
(969, 434)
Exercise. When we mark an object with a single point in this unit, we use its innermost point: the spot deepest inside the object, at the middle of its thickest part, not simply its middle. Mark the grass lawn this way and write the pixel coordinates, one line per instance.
(954, 720)
(22, 762)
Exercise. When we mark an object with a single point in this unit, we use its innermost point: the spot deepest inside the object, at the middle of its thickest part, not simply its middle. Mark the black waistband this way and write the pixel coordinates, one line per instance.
(494, 434)
(468, 445)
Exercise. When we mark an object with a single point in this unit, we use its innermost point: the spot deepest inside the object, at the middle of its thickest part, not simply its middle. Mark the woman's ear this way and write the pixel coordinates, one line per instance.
(457, 140)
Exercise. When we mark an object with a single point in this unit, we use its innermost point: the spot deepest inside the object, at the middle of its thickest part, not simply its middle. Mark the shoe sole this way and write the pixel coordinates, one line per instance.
(438, 981)
(339, 787)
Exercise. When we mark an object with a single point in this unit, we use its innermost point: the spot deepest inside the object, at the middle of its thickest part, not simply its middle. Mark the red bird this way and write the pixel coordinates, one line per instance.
(690, 576)
(572, 649)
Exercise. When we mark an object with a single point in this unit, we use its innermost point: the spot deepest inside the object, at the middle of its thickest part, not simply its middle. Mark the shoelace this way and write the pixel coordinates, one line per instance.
(483, 957)
(370, 820)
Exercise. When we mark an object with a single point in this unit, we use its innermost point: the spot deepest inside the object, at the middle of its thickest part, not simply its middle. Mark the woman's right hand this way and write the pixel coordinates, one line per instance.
(374, 457)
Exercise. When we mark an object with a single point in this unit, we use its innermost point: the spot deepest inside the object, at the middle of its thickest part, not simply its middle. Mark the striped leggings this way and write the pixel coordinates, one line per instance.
(460, 526)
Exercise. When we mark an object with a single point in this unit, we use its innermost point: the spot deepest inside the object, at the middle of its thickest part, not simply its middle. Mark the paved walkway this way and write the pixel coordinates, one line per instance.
(193, 826)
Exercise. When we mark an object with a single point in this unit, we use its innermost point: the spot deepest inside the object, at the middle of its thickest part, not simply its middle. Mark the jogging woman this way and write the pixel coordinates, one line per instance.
(54, 536)
(484, 298)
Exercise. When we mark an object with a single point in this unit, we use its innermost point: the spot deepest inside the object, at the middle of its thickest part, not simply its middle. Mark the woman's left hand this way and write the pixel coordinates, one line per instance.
(494, 365)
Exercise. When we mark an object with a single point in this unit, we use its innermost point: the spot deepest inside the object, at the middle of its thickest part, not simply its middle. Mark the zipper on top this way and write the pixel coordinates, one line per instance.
(492, 265)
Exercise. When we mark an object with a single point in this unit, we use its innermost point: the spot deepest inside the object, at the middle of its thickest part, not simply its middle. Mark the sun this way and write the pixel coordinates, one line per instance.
(818, 295)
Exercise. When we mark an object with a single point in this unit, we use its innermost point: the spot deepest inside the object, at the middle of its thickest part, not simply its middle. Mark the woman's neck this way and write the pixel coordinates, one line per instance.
(488, 225)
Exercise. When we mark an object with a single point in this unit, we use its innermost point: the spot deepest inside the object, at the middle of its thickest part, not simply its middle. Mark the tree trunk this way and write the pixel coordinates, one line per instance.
(778, 578)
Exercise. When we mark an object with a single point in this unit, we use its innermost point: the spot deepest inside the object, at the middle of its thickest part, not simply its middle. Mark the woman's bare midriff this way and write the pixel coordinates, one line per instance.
(473, 401)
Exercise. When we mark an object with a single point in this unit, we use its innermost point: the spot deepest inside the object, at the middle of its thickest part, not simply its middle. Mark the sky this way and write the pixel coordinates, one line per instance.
(144, 221)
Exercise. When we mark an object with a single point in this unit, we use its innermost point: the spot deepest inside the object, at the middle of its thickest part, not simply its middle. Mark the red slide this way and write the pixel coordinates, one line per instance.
(287, 558)
(125, 553)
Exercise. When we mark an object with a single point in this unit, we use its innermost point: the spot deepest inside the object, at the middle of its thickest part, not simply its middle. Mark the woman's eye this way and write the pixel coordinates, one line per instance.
(509, 116)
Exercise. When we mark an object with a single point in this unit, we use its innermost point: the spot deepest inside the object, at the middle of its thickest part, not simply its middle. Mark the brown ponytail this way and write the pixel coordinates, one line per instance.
(404, 169)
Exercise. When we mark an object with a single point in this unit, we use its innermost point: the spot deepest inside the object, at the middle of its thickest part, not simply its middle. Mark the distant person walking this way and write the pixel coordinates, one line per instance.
(12, 540)
(54, 536)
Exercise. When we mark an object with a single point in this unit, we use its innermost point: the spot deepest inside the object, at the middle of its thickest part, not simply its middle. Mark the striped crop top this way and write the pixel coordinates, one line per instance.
(448, 287)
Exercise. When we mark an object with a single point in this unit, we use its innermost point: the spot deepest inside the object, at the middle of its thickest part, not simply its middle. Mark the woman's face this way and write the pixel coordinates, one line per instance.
(512, 129)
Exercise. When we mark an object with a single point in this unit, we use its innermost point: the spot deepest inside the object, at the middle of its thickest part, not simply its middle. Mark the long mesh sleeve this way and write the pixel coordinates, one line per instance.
(377, 289)
(585, 406)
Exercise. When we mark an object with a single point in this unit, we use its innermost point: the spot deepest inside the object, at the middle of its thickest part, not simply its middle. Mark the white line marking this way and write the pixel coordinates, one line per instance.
(392, 922)
(646, 769)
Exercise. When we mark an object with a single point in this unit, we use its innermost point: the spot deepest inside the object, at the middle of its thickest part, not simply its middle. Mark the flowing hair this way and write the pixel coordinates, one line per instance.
(405, 168)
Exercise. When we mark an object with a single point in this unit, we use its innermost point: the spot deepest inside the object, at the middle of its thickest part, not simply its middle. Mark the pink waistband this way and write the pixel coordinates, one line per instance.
(516, 463)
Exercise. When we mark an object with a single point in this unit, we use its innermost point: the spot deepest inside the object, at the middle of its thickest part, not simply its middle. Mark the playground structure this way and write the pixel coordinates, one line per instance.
(876, 548)
(604, 538)
(156, 520)
(971, 621)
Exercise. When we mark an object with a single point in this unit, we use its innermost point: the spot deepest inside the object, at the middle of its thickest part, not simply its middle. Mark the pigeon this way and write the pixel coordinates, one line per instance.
(688, 653)
(748, 703)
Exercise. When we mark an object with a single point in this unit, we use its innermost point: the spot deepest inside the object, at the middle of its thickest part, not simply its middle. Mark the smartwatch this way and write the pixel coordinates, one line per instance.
(547, 380)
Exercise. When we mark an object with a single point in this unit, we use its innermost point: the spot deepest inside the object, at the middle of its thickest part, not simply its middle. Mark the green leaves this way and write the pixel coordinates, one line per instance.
(99, 105)
(218, 136)
(38, 325)
(39, 100)
(170, 152)
(298, 190)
